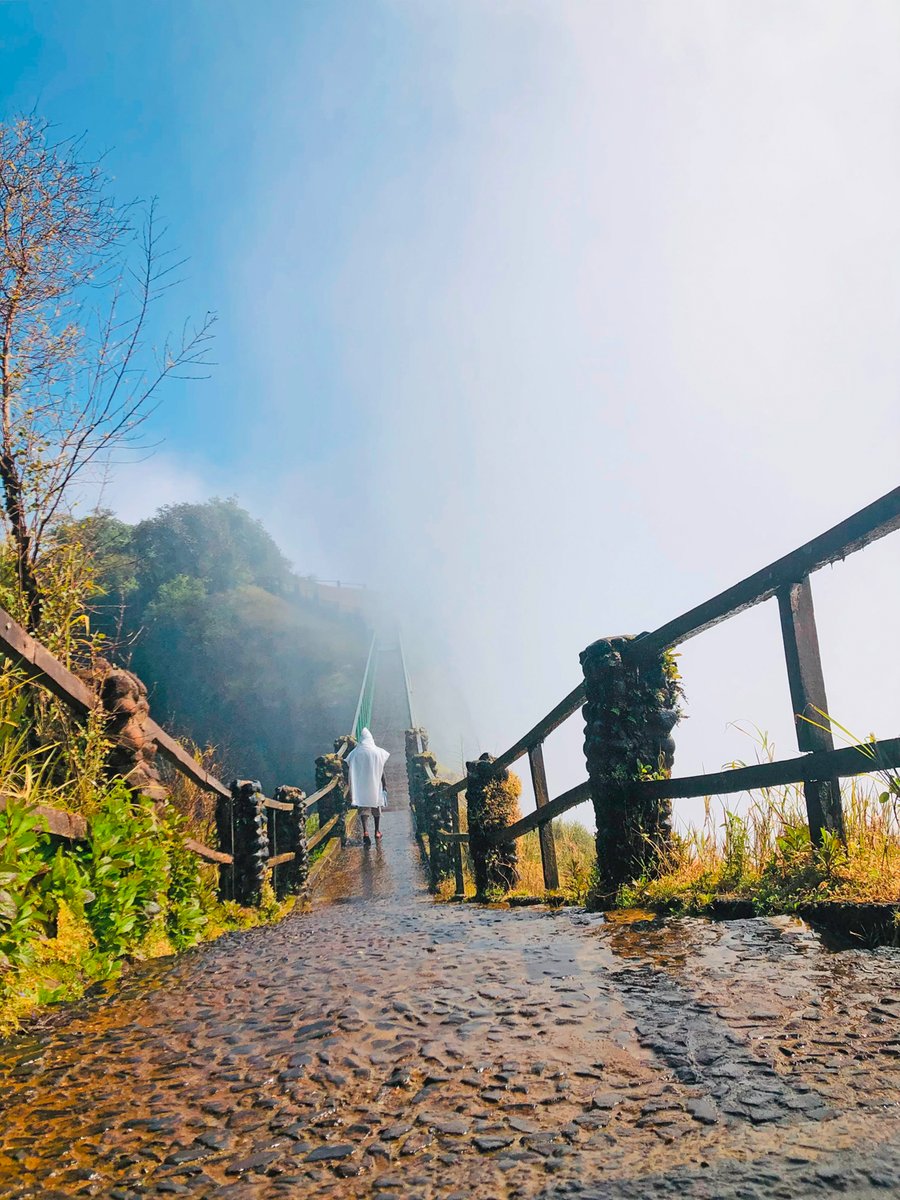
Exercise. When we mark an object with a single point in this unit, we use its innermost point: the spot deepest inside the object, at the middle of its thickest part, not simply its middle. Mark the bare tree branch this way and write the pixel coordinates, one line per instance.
(74, 388)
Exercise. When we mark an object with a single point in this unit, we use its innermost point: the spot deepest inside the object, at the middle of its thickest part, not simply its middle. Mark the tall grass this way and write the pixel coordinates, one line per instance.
(761, 851)
(73, 914)
(575, 857)
(755, 847)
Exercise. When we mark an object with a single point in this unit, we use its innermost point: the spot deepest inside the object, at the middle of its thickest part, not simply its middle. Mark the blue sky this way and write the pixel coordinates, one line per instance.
(552, 318)
(212, 107)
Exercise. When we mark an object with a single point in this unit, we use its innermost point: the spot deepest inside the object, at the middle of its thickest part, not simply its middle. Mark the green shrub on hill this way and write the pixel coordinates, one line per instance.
(202, 605)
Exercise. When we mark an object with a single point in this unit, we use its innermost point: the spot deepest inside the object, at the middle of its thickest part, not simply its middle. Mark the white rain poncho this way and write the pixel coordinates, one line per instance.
(366, 763)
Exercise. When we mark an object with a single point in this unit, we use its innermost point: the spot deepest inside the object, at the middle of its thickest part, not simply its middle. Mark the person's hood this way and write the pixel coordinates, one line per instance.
(366, 739)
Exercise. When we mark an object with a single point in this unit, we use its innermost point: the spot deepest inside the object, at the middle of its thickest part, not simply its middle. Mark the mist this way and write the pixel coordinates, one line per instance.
(622, 335)
(548, 321)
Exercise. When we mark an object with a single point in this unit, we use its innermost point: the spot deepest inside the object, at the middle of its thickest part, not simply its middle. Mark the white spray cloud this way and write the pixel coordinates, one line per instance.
(618, 330)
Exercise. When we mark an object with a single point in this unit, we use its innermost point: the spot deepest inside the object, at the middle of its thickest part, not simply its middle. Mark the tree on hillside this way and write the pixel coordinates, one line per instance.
(218, 542)
(199, 601)
(77, 377)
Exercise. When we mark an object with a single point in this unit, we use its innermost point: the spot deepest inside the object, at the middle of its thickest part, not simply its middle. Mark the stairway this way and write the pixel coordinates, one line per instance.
(390, 720)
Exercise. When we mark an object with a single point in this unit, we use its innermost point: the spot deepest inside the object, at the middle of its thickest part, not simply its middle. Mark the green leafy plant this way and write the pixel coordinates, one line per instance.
(736, 845)
(125, 865)
(21, 864)
(185, 918)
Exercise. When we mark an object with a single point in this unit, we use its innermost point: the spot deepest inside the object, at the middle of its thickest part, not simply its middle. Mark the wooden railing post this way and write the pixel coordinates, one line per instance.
(251, 842)
(630, 710)
(225, 836)
(496, 865)
(435, 811)
(128, 729)
(807, 684)
(456, 850)
(545, 832)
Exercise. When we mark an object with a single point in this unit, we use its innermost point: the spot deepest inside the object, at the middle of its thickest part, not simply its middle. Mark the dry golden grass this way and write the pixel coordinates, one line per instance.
(574, 860)
(574, 857)
(763, 853)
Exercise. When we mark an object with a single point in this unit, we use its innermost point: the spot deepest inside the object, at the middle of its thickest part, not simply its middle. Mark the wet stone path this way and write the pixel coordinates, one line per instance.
(385, 1046)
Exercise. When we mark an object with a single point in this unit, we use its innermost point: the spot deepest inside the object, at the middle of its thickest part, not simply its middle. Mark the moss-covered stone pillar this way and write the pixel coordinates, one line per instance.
(251, 841)
(422, 768)
(632, 705)
(132, 750)
(293, 876)
(491, 806)
(337, 802)
(437, 808)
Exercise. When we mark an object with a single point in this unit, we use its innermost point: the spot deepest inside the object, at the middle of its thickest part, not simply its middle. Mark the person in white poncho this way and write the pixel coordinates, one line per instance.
(368, 791)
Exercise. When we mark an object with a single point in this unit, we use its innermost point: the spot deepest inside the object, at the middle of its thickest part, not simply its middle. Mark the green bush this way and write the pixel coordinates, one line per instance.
(21, 868)
(126, 868)
(75, 914)
(185, 918)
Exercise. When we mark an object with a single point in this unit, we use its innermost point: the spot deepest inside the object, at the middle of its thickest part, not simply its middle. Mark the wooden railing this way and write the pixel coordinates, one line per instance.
(819, 767)
(431, 801)
(362, 718)
(260, 838)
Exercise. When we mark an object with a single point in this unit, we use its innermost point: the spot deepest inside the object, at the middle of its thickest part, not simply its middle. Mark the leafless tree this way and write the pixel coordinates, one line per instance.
(78, 379)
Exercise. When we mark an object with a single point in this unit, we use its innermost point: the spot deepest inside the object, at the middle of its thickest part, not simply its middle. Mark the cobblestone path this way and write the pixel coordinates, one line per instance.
(386, 1046)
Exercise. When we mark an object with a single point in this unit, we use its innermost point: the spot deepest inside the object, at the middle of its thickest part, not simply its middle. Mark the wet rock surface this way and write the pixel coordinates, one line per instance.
(389, 1047)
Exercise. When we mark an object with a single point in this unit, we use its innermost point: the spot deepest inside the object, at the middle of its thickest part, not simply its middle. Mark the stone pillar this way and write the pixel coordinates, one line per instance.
(132, 755)
(632, 705)
(292, 877)
(438, 817)
(337, 802)
(491, 805)
(251, 842)
(416, 742)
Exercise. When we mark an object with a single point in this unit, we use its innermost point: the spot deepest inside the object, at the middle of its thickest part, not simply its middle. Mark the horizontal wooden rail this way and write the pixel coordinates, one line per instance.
(46, 671)
(42, 668)
(56, 820)
(321, 834)
(185, 762)
(540, 816)
(75, 828)
(874, 521)
(567, 706)
(216, 856)
(278, 805)
(871, 523)
(322, 792)
(807, 768)
(280, 859)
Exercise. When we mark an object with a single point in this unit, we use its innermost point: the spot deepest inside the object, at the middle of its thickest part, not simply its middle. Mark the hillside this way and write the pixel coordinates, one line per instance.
(200, 602)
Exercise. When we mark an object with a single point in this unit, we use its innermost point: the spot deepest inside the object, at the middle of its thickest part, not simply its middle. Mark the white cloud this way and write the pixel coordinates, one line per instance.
(137, 490)
(573, 316)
